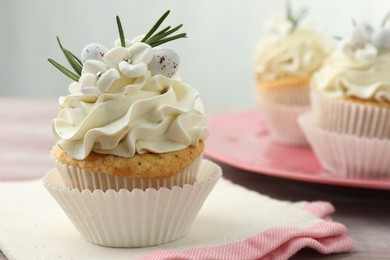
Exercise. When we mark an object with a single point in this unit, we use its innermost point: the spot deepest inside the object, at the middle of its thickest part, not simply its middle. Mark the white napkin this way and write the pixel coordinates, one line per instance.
(32, 225)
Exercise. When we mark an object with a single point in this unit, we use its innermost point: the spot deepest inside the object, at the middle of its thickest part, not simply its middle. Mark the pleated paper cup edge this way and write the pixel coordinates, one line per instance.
(278, 128)
(342, 108)
(293, 95)
(204, 163)
(75, 204)
(333, 167)
(76, 177)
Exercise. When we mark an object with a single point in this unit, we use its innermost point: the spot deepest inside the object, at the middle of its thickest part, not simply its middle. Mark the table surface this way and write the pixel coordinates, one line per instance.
(26, 139)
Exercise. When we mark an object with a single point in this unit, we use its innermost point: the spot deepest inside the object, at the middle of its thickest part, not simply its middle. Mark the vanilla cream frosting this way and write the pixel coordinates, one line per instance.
(358, 68)
(283, 53)
(119, 107)
(154, 114)
(343, 76)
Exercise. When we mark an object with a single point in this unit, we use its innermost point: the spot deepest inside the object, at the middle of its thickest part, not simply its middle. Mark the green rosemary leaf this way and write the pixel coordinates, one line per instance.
(155, 26)
(75, 65)
(295, 19)
(59, 43)
(121, 35)
(76, 58)
(338, 38)
(181, 35)
(156, 37)
(290, 16)
(64, 70)
(385, 19)
(300, 15)
(74, 62)
(158, 34)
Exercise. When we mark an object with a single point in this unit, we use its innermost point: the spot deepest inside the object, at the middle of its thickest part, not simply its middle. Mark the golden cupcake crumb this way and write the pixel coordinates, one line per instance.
(367, 102)
(149, 165)
(283, 82)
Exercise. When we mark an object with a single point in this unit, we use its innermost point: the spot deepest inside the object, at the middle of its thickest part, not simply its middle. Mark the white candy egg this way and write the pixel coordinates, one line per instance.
(381, 39)
(93, 51)
(165, 62)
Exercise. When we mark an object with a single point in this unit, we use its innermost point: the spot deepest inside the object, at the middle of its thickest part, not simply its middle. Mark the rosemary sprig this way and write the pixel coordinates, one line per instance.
(385, 19)
(163, 34)
(154, 39)
(64, 70)
(296, 18)
(121, 35)
(74, 62)
(164, 40)
(155, 26)
(160, 32)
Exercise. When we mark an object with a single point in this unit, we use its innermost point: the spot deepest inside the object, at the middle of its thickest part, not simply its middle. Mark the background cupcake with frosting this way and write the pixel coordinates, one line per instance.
(286, 58)
(349, 125)
(130, 139)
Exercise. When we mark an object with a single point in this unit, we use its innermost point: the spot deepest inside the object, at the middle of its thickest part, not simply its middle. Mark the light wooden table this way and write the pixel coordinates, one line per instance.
(26, 139)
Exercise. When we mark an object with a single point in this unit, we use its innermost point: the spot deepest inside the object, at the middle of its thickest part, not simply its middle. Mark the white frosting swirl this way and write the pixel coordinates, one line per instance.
(298, 53)
(344, 76)
(151, 114)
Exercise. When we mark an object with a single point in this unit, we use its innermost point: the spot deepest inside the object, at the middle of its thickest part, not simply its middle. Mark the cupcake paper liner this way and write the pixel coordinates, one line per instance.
(289, 95)
(346, 155)
(282, 123)
(134, 218)
(351, 118)
(81, 179)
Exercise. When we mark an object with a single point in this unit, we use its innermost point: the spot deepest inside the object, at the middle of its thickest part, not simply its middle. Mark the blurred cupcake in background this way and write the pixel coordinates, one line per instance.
(349, 125)
(286, 58)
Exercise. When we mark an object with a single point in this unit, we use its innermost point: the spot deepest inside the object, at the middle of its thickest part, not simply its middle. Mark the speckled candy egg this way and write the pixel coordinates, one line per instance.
(93, 51)
(381, 39)
(164, 62)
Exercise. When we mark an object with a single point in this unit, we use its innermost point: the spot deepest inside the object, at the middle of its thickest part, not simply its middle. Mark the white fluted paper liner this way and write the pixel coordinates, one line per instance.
(81, 179)
(351, 118)
(282, 123)
(346, 155)
(289, 95)
(134, 218)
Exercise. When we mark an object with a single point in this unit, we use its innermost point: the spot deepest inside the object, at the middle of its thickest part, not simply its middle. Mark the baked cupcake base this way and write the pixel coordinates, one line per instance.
(81, 179)
(345, 155)
(134, 218)
(282, 122)
(141, 171)
(293, 91)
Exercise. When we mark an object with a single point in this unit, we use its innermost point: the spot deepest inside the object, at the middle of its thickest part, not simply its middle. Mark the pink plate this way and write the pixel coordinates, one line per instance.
(242, 140)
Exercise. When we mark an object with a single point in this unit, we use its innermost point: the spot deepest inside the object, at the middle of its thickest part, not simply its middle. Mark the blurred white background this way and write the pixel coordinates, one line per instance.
(217, 58)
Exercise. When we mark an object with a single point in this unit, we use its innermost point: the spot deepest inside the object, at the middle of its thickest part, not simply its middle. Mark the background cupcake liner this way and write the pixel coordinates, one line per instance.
(351, 118)
(282, 123)
(134, 218)
(81, 179)
(289, 95)
(346, 155)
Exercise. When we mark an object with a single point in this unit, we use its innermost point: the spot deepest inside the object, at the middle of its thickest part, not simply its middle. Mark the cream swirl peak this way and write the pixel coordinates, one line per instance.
(122, 103)
(153, 114)
(290, 49)
(359, 67)
(298, 54)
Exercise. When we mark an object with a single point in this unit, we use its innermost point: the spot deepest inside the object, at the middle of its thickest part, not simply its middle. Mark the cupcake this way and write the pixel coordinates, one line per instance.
(286, 58)
(349, 125)
(130, 139)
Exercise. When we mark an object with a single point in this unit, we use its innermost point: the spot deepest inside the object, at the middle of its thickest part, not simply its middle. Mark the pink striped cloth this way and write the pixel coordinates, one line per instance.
(275, 243)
